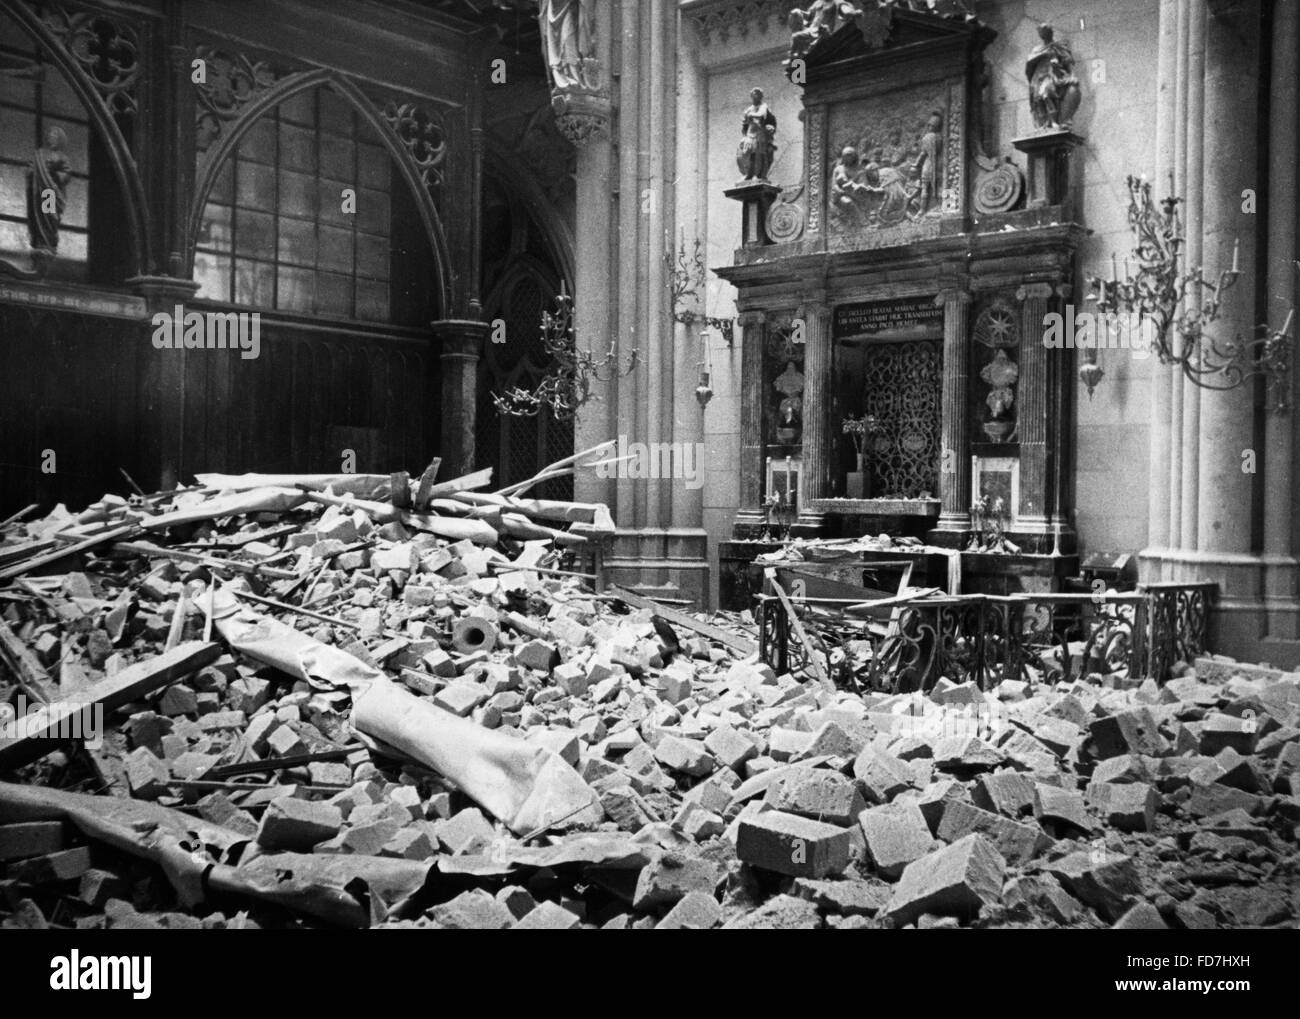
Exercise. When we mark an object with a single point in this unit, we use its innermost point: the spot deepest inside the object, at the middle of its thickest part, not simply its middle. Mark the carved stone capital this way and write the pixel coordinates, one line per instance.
(1028, 290)
(954, 294)
(581, 114)
(751, 319)
(459, 339)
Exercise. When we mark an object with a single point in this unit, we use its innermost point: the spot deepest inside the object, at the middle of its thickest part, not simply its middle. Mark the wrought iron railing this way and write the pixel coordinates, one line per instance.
(985, 639)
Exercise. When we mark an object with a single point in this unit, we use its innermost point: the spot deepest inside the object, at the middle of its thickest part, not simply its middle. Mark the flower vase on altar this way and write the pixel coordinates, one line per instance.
(857, 484)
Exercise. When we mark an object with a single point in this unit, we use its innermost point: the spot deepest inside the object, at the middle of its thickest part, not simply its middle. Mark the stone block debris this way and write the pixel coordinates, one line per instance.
(302, 685)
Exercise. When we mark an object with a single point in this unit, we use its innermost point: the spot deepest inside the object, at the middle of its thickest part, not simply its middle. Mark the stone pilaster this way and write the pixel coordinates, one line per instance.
(163, 391)
(752, 324)
(1280, 518)
(459, 345)
(954, 476)
(1031, 416)
(814, 483)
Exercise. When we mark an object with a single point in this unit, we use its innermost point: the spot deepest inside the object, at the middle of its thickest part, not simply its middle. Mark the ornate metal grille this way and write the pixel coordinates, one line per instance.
(903, 386)
(984, 639)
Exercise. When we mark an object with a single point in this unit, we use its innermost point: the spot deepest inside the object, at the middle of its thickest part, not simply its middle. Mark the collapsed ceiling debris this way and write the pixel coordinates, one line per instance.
(371, 700)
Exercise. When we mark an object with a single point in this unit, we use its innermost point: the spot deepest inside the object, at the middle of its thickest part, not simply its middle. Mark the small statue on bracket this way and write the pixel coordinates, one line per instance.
(47, 195)
(758, 146)
(1054, 92)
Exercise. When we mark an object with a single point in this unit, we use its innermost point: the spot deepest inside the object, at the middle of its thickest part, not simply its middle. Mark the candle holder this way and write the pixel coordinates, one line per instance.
(566, 387)
(686, 275)
(1181, 303)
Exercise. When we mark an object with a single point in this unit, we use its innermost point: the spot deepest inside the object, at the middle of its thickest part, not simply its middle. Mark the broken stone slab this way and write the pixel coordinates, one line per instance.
(1010, 793)
(781, 912)
(966, 754)
(694, 911)
(1128, 806)
(882, 775)
(1219, 731)
(668, 878)
(1128, 732)
(818, 793)
(793, 845)
(686, 756)
(297, 825)
(895, 834)
(957, 880)
(1106, 881)
(1018, 842)
(472, 910)
(1061, 810)
(730, 748)
(549, 916)
(847, 897)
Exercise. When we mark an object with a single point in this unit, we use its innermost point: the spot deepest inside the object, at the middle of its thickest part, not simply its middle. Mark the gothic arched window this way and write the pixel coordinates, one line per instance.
(304, 218)
(44, 158)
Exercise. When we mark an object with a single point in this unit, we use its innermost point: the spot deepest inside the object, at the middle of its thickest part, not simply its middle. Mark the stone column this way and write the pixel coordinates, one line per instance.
(954, 477)
(1162, 446)
(1224, 493)
(1283, 293)
(752, 324)
(1031, 416)
(596, 273)
(459, 344)
(814, 481)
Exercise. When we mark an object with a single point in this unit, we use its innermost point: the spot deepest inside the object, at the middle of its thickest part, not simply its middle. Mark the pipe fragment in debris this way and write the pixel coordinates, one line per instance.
(524, 785)
(521, 783)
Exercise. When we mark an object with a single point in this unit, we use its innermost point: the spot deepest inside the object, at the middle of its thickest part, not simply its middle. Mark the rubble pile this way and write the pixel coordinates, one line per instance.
(374, 701)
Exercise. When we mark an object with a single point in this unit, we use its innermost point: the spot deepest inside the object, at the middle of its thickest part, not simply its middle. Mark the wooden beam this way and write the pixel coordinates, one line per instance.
(425, 488)
(738, 644)
(810, 653)
(68, 550)
(37, 733)
(34, 680)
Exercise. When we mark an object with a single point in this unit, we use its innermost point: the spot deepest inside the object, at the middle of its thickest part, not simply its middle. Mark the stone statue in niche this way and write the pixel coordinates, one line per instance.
(758, 144)
(47, 193)
(1054, 93)
(789, 412)
(1001, 375)
(569, 39)
(818, 20)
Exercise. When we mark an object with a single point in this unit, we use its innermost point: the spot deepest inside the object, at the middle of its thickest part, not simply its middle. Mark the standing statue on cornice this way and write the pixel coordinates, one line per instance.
(569, 37)
(1054, 93)
(758, 144)
(47, 194)
(818, 20)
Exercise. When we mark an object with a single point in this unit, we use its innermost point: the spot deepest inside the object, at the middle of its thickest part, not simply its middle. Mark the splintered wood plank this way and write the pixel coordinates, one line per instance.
(678, 618)
(38, 732)
(430, 475)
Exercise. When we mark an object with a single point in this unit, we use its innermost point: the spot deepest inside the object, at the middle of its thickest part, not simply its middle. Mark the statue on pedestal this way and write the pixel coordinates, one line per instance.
(1054, 92)
(581, 104)
(569, 39)
(758, 146)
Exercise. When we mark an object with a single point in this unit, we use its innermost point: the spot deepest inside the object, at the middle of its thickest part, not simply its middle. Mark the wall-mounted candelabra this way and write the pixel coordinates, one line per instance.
(1180, 303)
(686, 277)
(566, 387)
